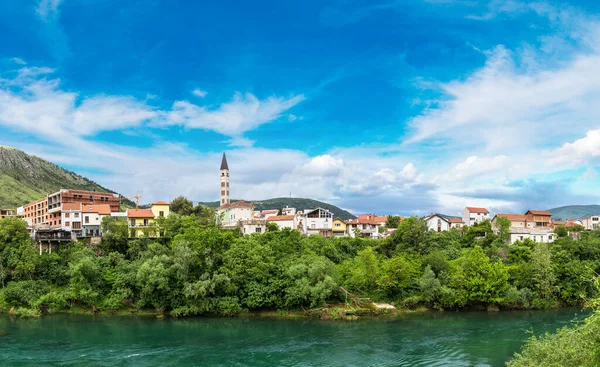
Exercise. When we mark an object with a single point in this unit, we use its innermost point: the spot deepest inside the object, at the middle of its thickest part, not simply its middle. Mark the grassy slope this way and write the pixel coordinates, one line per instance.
(575, 211)
(25, 178)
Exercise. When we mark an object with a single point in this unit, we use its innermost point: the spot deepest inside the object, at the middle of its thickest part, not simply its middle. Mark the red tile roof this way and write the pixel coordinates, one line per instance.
(514, 217)
(362, 220)
(140, 213)
(539, 212)
(102, 209)
(270, 211)
(456, 220)
(473, 209)
(280, 217)
(71, 206)
(160, 202)
(381, 219)
(237, 204)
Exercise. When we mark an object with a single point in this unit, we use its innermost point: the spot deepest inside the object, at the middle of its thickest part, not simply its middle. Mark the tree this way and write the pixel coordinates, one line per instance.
(114, 234)
(543, 274)
(412, 234)
(392, 221)
(272, 227)
(182, 206)
(503, 225)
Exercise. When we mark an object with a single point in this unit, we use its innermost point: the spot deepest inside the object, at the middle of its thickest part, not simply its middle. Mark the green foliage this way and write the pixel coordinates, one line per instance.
(393, 221)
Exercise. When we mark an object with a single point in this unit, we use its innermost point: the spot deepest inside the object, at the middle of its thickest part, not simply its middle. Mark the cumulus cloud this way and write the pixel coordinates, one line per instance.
(199, 93)
(34, 101)
(584, 150)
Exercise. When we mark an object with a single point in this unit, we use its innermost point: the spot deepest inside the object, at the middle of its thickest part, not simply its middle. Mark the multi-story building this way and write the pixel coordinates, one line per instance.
(250, 226)
(4, 213)
(71, 219)
(472, 215)
(541, 218)
(47, 211)
(534, 225)
(284, 221)
(92, 216)
(224, 179)
(230, 214)
(317, 221)
(339, 228)
(592, 222)
(364, 226)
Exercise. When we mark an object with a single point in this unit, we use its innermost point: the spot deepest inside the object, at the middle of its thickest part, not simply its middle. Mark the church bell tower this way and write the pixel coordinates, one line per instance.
(224, 181)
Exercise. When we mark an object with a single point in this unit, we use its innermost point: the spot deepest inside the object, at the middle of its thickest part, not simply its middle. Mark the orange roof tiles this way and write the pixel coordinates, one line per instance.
(270, 211)
(160, 202)
(473, 209)
(71, 206)
(237, 204)
(456, 220)
(280, 217)
(539, 212)
(102, 209)
(514, 217)
(140, 213)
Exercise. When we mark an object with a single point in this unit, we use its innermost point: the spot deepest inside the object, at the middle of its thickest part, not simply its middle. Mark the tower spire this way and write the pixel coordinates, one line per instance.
(224, 162)
(224, 179)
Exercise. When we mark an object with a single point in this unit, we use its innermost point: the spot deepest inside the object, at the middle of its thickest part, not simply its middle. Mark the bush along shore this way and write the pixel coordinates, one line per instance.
(200, 269)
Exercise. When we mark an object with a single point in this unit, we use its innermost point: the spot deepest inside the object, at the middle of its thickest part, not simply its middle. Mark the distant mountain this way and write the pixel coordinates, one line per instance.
(25, 178)
(298, 203)
(574, 211)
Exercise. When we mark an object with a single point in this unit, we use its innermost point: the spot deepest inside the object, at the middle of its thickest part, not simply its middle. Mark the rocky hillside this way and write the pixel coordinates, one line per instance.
(25, 178)
(298, 203)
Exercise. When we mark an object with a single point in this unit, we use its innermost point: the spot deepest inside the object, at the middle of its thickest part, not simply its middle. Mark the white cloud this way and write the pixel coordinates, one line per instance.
(48, 9)
(31, 100)
(19, 61)
(322, 166)
(580, 151)
(200, 93)
(245, 112)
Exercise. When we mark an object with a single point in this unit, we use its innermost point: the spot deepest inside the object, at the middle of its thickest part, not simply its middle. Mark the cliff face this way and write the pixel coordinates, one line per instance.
(25, 178)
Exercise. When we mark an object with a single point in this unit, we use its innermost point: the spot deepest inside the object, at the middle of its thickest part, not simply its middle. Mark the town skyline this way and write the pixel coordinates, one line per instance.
(404, 108)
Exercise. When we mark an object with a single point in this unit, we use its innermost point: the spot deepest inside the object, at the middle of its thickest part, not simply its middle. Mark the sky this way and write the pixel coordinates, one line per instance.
(394, 107)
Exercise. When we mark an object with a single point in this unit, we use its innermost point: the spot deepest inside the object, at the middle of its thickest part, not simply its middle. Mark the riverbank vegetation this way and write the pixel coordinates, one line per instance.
(198, 268)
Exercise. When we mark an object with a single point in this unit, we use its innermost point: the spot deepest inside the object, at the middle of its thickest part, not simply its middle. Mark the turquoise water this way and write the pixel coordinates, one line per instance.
(435, 339)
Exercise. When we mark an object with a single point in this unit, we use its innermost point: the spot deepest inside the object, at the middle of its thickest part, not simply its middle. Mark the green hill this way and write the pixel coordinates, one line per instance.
(25, 178)
(574, 211)
(298, 203)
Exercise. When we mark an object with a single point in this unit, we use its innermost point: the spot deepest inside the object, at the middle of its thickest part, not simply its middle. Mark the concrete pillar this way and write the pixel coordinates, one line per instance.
(40, 248)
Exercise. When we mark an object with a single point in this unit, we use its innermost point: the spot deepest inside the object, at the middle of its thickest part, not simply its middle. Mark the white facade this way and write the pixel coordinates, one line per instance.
(437, 223)
(317, 221)
(472, 216)
(591, 222)
(288, 211)
(91, 224)
(224, 180)
(71, 221)
(535, 235)
(229, 215)
(284, 221)
(266, 214)
(251, 226)
(364, 229)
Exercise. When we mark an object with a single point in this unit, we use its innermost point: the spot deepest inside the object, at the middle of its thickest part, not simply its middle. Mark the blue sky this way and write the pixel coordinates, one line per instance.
(401, 107)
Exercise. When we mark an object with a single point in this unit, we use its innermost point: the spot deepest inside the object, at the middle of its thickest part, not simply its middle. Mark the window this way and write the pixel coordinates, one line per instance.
(222, 184)
(338, 225)
(258, 230)
(145, 222)
(534, 239)
(67, 224)
(67, 215)
(227, 192)
(132, 223)
(87, 219)
(76, 215)
(161, 214)
(520, 238)
(595, 219)
(222, 192)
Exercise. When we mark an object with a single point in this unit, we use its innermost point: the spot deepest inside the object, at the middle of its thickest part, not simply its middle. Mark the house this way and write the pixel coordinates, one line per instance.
(284, 221)
(92, 219)
(5, 213)
(161, 209)
(541, 218)
(141, 223)
(265, 214)
(516, 220)
(472, 215)
(317, 221)
(363, 226)
(230, 214)
(250, 226)
(339, 228)
(441, 222)
(288, 211)
(456, 223)
(540, 234)
(592, 222)
(71, 219)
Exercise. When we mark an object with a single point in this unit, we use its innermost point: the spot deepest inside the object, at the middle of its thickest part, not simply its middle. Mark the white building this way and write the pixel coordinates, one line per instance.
(285, 221)
(317, 221)
(365, 225)
(92, 219)
(592, 222)
(71, 219)
(472, 215)
(456, 223)
(229, 215)
(224, 180)
(250, 226)
(534, 234)
(266, 214)
(438, 222)
(288, 211)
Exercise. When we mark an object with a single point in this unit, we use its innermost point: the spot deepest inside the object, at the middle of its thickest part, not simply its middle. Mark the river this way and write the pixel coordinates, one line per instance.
(432, 339)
